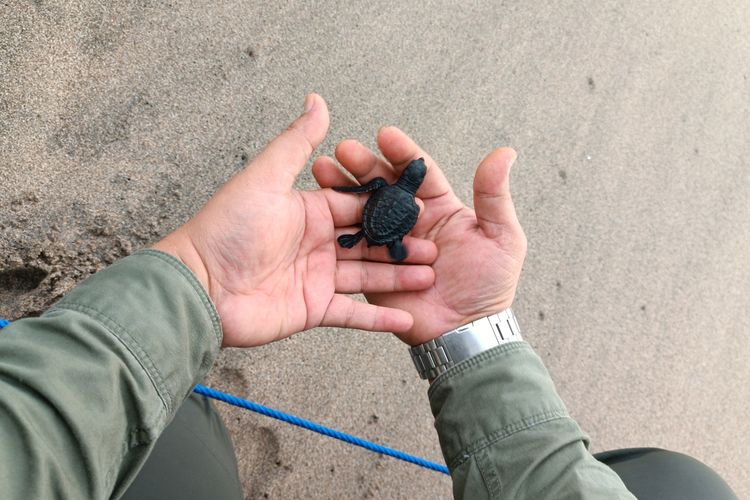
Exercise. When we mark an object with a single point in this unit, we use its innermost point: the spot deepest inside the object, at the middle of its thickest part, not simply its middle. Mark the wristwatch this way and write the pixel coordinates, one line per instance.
(439, 354)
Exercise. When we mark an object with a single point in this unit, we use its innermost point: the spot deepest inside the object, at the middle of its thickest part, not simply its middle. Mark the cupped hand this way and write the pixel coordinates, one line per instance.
(267, 254)
(480, 251)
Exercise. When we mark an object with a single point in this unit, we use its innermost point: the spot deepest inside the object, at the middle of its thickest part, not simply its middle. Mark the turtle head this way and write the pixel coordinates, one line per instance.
(412, 176)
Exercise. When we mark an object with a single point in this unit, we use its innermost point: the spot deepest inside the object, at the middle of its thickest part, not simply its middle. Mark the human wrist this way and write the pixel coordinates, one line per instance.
(179, 245)
(436, 356)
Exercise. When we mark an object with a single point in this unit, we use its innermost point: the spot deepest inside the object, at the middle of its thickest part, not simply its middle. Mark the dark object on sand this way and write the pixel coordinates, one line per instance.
(390, 212)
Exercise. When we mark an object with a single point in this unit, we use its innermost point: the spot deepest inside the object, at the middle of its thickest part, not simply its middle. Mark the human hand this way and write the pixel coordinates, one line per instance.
(480, 251)
(267, 254)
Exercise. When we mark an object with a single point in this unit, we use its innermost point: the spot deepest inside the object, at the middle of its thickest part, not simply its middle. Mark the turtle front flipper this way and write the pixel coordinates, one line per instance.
(376, 183)
(397, 250)
(349, 240)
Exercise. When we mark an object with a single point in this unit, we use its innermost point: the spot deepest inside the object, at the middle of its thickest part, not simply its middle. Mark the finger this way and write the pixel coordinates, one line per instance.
(362, 163)
(358, 276)
(399, 149)
(328, 174)
(345, 312)
(419, 251)
(492, 200)
(420, 204)
(346, 208)
(283, 159)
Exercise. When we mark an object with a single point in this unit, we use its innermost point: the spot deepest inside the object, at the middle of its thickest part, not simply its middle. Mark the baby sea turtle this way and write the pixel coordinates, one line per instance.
(390, 212)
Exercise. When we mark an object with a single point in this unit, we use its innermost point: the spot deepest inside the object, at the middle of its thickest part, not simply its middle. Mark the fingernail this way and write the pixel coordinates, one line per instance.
(309, 103)
(512, 160)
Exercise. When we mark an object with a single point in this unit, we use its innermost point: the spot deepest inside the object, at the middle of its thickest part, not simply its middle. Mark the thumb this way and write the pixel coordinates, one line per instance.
(492, 201)
(283, 159)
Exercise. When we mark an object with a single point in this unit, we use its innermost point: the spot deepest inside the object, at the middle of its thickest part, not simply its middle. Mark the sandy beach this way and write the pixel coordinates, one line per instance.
(119, 119)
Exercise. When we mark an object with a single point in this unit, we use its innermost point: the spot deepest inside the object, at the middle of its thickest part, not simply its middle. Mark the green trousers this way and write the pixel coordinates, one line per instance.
(194, 458)
(652, 473)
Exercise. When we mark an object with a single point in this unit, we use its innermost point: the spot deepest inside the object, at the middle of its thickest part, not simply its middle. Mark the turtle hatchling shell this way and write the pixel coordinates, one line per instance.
(389, 214)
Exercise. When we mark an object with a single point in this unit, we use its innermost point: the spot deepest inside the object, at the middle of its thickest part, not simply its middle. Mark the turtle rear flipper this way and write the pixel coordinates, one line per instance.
(376, 183)
(349, 240)
(397, 250)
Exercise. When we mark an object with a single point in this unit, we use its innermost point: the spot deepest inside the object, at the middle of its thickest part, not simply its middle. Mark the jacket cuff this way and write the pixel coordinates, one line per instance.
(508, 390)
(160, 313)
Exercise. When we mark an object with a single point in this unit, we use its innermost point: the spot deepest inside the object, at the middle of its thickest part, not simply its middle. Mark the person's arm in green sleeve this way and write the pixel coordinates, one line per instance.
(504, 431)
(87, 388)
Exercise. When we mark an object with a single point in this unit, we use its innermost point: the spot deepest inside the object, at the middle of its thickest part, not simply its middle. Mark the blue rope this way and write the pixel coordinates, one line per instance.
(306, 424)
(320, 429)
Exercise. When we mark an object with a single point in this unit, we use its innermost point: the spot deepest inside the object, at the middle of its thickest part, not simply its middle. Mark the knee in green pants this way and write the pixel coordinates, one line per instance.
(193, 458)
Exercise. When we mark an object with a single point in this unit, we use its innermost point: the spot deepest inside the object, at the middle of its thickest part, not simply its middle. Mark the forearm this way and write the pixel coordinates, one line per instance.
(505, 433)
(87, 388)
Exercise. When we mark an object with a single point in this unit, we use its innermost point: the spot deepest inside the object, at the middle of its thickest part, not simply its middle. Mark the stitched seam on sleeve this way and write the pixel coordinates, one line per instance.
(186, 273)
(492, 482)
(472, 363)
(132, 346)
(505, 432)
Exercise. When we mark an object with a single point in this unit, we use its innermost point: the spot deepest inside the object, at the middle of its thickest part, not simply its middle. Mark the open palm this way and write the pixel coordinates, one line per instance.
(267, 254)
(480, 251)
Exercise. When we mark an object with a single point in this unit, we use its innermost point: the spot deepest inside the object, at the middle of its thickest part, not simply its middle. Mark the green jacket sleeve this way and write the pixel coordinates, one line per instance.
(505, 433)
(86, 388)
